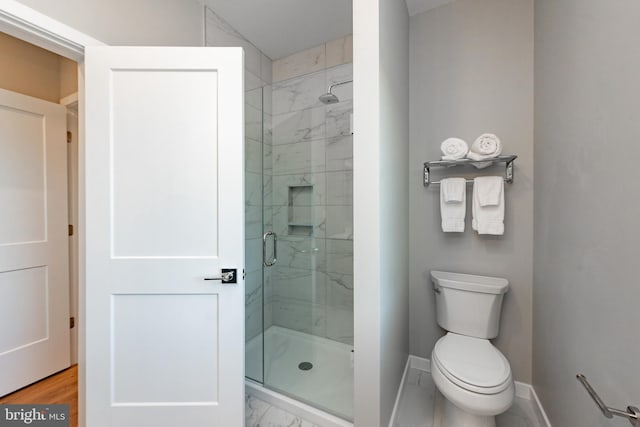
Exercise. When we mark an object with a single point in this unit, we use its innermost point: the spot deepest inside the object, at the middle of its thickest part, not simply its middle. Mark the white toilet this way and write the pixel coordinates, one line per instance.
(473, 375)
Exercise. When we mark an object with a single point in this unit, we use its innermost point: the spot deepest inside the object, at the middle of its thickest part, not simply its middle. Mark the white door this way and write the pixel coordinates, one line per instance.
(164, 210)
(34, 276)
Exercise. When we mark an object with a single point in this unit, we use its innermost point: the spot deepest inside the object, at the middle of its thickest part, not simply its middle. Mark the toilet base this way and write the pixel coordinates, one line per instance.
(455, 417)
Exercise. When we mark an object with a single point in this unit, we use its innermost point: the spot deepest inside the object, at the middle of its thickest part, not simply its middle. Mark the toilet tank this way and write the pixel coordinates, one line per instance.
(467, 304)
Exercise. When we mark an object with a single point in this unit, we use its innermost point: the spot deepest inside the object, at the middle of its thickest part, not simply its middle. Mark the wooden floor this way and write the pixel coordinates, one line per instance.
(59, 388)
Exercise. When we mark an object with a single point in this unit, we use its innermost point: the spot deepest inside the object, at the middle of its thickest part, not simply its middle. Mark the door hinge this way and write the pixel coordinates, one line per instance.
(69, 137)
(72, 322)
(70, 229)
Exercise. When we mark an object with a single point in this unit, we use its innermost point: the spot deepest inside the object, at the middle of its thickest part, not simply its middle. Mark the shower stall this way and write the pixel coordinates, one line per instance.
(299, 237)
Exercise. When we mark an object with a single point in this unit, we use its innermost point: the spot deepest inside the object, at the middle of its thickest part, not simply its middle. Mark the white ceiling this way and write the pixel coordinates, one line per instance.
(282, 27)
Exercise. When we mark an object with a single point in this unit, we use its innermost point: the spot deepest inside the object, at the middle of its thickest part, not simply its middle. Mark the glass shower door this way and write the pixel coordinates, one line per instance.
(254, 212)
(308, 292)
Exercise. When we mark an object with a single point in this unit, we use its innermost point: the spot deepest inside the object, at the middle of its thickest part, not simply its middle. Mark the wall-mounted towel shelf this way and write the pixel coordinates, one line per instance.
(508, 172)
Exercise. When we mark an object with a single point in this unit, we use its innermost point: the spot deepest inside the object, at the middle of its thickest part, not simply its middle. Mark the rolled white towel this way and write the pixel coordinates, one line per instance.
(486, 146)
(454, 149)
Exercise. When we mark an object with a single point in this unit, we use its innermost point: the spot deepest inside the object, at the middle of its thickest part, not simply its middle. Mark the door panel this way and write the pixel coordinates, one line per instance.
(164, 160)
(34, 276)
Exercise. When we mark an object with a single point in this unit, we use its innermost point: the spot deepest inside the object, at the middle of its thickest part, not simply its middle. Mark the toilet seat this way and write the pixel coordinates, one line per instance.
(473, 364)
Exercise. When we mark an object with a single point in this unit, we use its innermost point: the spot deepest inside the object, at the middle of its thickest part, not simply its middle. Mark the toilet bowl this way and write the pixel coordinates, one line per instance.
(474, 376)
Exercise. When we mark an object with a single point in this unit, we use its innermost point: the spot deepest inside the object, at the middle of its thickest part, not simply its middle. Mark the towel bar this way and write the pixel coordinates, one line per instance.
(632, 413)
(508, 172)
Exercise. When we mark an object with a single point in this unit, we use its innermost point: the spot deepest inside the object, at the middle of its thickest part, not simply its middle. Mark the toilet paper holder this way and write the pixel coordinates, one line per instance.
(632, 413)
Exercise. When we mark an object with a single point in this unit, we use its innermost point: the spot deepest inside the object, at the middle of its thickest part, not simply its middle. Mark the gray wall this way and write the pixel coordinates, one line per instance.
(130, 22)
(472, 72)
(587, 136)
(380, 145)
(394, 198)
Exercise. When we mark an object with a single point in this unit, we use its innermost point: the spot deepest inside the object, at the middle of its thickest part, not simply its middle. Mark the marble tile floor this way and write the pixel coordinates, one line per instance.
(417, 407)
(261, 414)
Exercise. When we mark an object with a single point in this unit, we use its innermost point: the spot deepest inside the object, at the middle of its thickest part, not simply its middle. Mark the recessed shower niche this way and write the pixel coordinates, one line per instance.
(300, 212)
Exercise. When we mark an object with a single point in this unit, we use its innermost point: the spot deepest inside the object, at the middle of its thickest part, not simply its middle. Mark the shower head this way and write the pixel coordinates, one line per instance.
(329, 97)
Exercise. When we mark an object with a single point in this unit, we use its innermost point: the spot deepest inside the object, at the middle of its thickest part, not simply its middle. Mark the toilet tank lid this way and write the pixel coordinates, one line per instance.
(470, 282)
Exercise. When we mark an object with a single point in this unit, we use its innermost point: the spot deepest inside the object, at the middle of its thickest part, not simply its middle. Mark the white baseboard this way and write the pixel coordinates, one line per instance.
(400, 393)
(523, 390)
(541, 412)
(420, 363)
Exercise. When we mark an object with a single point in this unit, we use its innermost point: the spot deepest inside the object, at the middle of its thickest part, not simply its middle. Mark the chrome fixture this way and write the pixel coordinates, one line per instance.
(508, 171)
(264, 249)
(632, 413)
(227, 275)
(329, 97)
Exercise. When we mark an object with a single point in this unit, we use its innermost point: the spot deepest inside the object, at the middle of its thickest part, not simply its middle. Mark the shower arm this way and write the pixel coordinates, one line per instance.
(338, 84)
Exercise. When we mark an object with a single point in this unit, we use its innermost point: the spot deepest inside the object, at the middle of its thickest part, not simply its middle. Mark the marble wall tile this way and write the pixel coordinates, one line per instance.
(304, 125)
(253, 254)
(267, 129)
(281, 221)
(300, 316)
(220, 33)
(301, 252)
(339, 153)
(267, 96)
(253, 319)
(299, 285)
(267, 183)
(281, 184)
(252, 222)
(266, 69)
(340, 188)
(251, 81)
(339, 118)
(340, 291)
(339, 257)
(339, 325)
(253, 97)
(339, 222)
(339, 74)
(252, 123)
(253, 189)
(298, 93)
(300, 63)
(252, 156)
(268, 296)
(339, 51)
(268, 314)
(298, 158)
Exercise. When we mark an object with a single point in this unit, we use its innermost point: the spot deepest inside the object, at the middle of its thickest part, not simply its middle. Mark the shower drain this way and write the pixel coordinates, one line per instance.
(305, 366)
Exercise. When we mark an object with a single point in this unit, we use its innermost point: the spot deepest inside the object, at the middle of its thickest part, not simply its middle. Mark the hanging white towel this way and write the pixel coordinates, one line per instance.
(488, 205)
(453, 204)
(486, 146)
(454, 149)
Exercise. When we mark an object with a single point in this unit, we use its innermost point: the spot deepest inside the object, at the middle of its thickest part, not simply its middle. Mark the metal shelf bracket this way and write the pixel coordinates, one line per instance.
(508, 171)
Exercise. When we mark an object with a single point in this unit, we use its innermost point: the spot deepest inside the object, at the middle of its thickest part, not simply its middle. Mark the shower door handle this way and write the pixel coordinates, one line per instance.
(264, 248)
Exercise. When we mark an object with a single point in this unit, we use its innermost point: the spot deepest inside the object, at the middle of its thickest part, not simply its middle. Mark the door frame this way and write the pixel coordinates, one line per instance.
(36, 28)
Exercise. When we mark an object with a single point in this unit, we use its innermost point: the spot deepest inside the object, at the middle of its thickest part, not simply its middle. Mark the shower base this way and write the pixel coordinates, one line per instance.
(328, 385)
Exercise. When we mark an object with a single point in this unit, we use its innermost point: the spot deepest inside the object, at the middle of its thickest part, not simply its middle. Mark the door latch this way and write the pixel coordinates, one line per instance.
(227, 275)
